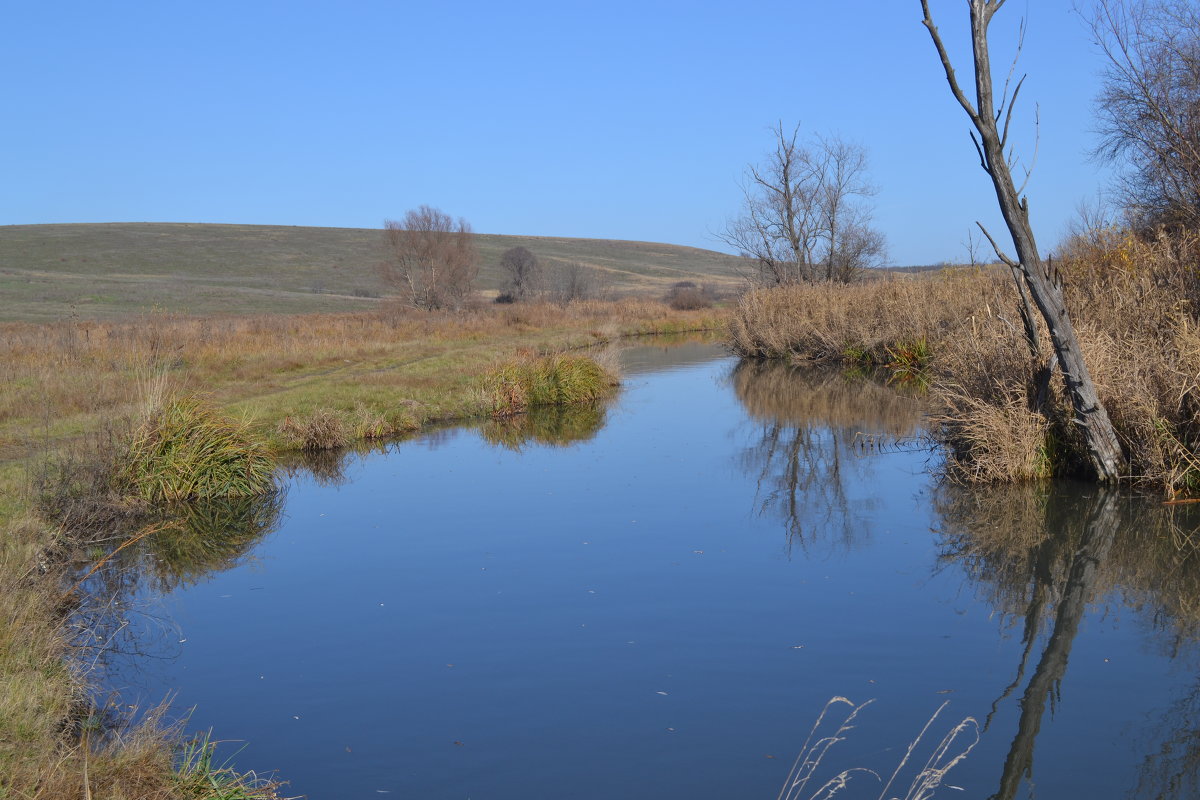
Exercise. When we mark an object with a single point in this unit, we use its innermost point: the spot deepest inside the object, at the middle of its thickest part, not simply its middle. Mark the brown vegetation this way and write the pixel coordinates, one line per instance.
(431, 259)
(1137, 302)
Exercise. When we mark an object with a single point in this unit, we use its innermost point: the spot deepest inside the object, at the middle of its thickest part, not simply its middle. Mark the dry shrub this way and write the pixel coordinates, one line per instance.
(321, 430)
(687, 296)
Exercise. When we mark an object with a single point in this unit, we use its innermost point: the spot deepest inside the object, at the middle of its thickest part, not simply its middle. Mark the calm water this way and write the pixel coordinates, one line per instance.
(655, 600)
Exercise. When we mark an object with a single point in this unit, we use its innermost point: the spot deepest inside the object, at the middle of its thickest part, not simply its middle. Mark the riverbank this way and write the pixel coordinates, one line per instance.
(1001, 417)
(69, 387)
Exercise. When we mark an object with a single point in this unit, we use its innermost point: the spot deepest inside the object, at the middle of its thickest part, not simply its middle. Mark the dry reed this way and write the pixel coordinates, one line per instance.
(1135, 303)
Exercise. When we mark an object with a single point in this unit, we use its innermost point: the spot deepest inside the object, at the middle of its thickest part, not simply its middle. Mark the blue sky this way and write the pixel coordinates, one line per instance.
(625, 120)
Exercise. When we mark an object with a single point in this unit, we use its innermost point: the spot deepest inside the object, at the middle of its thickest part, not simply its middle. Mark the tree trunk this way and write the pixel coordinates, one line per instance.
(1104, 449)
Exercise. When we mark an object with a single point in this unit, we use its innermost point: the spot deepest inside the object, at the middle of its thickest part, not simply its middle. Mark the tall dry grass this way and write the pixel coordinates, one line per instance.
(805, 781)
(61, 379)
(859, 321)
(1135, 307)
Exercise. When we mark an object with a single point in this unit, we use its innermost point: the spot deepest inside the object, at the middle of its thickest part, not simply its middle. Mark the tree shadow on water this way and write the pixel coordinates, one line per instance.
(817, 430)
(1040, 556)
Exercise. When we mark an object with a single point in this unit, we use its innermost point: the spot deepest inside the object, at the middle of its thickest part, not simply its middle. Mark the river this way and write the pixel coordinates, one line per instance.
(656, 598)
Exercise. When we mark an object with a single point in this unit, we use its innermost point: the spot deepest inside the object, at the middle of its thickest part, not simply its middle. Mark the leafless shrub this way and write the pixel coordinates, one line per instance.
(431, 259)
(687, 296)
(572, 282)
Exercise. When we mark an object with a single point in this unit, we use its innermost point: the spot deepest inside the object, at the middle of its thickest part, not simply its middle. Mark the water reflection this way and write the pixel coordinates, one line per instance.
(556, 426)
(1042, 555)
(1039, 556)
(187, 543)
(816, 428)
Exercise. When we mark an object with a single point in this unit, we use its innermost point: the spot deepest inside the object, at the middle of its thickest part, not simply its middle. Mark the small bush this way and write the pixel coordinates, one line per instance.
(687, 296)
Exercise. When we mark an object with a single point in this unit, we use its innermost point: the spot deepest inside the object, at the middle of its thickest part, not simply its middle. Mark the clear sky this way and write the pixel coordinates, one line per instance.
(623, 120)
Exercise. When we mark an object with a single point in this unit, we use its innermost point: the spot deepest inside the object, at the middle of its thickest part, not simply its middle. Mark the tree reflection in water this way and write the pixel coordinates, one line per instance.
(816, 428)
(1041, 555)
(1038, 555)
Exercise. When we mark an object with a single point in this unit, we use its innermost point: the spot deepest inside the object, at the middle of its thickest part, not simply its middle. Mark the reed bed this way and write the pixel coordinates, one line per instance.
(1134, 303)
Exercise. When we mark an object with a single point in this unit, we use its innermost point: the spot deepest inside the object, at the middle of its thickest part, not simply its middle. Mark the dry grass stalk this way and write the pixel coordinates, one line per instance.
(947, 754)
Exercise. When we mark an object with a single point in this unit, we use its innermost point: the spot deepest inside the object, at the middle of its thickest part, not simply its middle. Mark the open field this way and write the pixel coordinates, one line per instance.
(105, 271)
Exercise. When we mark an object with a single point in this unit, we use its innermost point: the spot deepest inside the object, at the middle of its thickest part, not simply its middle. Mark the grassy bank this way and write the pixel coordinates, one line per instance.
(71, 391)
(1134, 304)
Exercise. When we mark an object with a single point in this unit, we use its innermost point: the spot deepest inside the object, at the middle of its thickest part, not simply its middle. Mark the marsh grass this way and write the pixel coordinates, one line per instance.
(186, 449)
(199, 775)
(1135, 303)
(526, 382)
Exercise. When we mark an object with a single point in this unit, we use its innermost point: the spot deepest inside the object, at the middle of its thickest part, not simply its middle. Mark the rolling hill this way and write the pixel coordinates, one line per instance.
(111, 270)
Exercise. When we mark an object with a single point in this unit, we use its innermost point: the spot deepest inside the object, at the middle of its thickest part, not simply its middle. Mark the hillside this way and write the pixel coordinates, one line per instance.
(114, 269)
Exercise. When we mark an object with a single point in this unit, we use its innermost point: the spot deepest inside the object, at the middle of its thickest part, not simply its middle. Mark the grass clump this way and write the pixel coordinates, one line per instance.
(556, 380)
(320, 430)
(198, 775)
(187, 449)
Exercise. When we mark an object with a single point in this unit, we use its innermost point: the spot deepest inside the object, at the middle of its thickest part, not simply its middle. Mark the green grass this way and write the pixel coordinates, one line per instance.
(557, 380)
(106, 271)
(186, 449)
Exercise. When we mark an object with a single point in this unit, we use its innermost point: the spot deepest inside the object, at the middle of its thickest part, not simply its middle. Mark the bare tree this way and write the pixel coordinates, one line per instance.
(849, 243)
(524, 272)
(1149, 107)
(972, 245)
(573, 281)
(1029, 270)
(803, 218)
(431, 259)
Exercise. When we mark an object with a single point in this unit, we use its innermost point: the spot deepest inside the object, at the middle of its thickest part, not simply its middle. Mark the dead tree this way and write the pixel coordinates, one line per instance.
(1030, 271)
